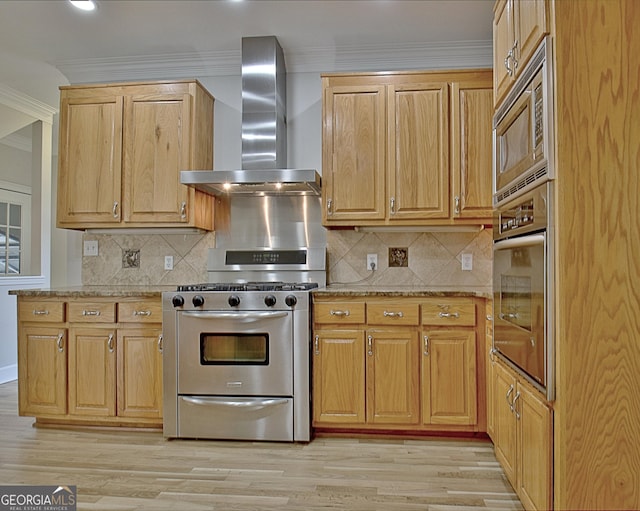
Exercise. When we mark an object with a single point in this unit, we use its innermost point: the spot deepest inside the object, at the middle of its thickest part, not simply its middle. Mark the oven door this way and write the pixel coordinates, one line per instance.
(237, 353)
(519, 289)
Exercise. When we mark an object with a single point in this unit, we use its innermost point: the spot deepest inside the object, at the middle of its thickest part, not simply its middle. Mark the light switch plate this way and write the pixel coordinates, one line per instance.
(467, 262)
(90, 248)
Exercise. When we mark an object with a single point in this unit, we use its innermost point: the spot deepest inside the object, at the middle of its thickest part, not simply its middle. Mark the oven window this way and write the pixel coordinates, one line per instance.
(234, 349)
(515, 300)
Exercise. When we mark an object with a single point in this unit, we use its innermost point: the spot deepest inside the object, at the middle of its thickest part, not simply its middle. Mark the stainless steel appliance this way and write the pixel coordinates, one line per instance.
(236, 350)
(523, 285)
(523, 130)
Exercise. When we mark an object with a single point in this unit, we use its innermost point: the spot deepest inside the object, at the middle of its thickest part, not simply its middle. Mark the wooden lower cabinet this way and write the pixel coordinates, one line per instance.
(523, 437)
(381, 364)
(101, 363)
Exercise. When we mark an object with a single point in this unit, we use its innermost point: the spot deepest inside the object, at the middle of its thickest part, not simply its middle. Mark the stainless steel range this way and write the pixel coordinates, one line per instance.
(236, 350)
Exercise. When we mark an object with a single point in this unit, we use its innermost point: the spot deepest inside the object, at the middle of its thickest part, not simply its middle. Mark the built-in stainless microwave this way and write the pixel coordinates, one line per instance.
(522, 130)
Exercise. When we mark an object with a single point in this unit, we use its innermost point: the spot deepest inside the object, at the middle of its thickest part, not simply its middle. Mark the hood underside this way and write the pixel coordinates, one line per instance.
(264, 132)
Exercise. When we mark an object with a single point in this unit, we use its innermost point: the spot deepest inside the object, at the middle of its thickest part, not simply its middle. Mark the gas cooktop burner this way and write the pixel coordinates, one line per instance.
(250, 286)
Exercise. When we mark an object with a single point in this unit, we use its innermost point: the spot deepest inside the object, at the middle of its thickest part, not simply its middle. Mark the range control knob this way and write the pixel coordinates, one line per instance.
(290, 300)
(177, 301)
(269, 300)
(234, 300)
(198, 301)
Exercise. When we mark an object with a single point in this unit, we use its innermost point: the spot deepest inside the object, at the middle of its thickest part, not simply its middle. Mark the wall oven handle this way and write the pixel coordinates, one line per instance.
(239, 404)
(246, 316)
(523, 241)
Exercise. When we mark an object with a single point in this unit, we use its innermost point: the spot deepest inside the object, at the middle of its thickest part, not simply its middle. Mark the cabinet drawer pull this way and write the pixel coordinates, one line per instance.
(370, 345)
(449, 314)
(339, 313)
(40, 312)
(316, 345)
(426, 345)
(59, 342)
(160, 343)
(389, 314)
(90, 313)
(110, 343)
(142, 313)
(115, 209)
(183, 210)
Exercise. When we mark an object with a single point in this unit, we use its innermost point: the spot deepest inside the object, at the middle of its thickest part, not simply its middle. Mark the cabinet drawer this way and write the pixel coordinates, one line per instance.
(339, 312)
(393, 313)
(92, 312)
(144, 311)
(448, 311)
(41, 311)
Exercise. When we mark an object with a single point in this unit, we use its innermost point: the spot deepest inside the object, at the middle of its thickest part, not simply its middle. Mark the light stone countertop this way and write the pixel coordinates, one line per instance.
(408, 291)
(94, 291)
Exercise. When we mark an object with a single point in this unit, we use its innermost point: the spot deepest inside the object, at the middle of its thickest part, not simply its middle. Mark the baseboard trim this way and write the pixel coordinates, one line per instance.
(8, 373)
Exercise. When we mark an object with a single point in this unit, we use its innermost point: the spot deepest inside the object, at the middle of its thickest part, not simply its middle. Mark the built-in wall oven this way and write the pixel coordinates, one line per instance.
(523, 130)
(523, 285)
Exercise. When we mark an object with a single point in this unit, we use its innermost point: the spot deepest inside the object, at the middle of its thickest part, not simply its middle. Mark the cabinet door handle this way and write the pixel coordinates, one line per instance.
(370, 345)
(514, 408)
(510, 403)
(508, 59)
(449, 314)
(339, 313)
(426, 345)
(492, 357)
(142, 313)
(110, 343)
(393, 205)
(160, 343)
(40, 312)
(183, 210)
(514, 57)
(115, 209)
(390, 314)
(316, 345)
(329, 206)
(59, 342)
(456, 201)
(90, 313)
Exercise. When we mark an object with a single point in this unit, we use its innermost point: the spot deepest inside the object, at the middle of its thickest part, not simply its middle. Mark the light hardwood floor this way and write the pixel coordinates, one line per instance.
(124, 470)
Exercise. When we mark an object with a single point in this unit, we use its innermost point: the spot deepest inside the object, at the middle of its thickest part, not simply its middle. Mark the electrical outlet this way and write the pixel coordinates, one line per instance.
(168, 262)
(372, 262)
(90, 248)
(467, 262)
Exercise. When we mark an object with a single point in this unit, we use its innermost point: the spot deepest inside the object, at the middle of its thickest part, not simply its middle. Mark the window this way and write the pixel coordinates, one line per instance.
(14, 233)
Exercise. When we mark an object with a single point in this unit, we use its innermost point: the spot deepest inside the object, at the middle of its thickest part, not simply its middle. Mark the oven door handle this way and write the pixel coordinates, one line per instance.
(246, 316)
(523, 241)
(249, 404)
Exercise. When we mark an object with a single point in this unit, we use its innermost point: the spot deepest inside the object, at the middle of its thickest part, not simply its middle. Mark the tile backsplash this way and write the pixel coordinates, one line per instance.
(433, 259)
(138, 259)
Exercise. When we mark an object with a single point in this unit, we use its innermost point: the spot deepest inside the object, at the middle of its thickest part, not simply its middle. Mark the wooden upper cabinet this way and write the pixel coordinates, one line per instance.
(518, 28)
(122, 147)
(397, 150)
(354, 153)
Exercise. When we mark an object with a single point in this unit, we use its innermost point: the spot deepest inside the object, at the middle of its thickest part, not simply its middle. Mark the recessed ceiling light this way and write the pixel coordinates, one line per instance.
(85, 5)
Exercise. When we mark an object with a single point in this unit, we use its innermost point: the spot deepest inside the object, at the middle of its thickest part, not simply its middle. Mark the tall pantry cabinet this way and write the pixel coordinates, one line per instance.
(121, 149)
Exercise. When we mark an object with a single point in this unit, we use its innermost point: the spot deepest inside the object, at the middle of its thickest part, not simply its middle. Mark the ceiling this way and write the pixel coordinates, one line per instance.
(316, 35)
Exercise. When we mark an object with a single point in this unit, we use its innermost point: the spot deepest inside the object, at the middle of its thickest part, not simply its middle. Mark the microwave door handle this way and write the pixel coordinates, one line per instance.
(524, 241)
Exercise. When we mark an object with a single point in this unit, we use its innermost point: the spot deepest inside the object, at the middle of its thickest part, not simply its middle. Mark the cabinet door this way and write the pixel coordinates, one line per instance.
(42, 382)
(471, 152)
(90, 160)
(393, 362)
(156, 148)
(92, 372)
(504, 424)
(530, 16)
(418, 167)
(503, 40)
(490, 377)
(140, 372)
(354, 154)
(338, 377)
(449, 377)
(535, 447)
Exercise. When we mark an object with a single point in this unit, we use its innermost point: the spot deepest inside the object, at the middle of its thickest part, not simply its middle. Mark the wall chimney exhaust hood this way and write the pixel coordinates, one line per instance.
(264, 132)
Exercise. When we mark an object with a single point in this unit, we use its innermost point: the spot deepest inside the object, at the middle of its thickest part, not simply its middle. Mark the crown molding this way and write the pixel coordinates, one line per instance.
(375, 57)
(26, 104)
